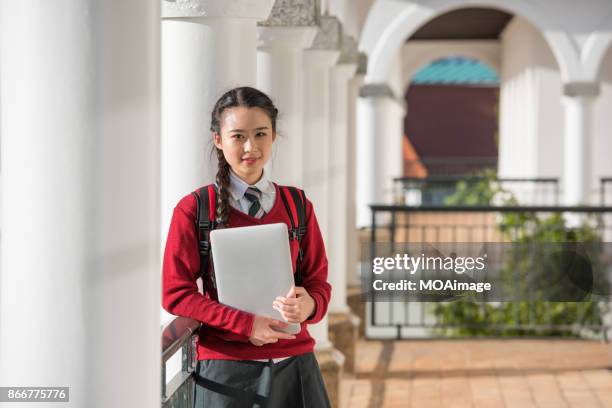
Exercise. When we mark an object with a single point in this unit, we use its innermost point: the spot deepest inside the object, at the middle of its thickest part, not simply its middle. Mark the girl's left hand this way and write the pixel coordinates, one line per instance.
(297, 306)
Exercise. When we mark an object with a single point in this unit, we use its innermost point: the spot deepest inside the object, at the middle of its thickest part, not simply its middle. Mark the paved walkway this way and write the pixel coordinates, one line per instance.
(480, 373)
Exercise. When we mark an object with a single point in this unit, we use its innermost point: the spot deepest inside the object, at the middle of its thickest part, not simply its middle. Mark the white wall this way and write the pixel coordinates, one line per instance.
(531, 111)
(602, 125)
(531, 125)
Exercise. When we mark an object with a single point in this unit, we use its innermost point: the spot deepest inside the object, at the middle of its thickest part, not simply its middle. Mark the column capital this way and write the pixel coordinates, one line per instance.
(376, 91)
(254, 9)
(362, 63)
(289, 37)
(329, 36)
(581, 89)
(292, 13)
(349, 54)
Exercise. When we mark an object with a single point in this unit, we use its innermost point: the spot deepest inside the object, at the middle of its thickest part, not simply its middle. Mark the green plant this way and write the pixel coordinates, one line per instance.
(466, 317)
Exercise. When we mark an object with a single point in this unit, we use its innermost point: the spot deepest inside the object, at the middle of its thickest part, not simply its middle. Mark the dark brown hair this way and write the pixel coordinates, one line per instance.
(246, 97)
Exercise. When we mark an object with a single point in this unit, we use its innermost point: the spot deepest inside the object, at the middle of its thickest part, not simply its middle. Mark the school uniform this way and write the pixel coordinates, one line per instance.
(231, 371)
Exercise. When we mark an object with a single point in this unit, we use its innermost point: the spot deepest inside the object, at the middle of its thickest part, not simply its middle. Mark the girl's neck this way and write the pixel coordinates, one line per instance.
(250, 182)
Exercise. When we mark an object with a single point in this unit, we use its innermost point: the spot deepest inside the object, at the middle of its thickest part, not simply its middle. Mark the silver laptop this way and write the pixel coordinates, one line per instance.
(253, 267)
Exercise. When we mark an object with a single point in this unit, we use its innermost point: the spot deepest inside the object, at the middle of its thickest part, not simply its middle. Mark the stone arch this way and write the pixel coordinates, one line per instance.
(391, 22)
(595, 49)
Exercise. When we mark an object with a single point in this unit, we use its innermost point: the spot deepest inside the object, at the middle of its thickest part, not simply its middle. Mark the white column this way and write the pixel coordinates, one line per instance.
(337, 244)
(80, 296)
(279, 74)
(369, 114)
(207, 49)
(379, 153)
(577, 164)
(317, 64)
(351, 233)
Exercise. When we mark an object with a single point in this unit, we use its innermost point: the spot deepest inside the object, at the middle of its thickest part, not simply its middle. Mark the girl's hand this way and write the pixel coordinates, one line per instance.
(297, 306)
(263, 331)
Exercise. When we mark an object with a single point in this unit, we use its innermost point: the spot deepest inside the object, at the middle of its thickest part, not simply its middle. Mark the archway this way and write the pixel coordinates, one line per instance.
(390, 23)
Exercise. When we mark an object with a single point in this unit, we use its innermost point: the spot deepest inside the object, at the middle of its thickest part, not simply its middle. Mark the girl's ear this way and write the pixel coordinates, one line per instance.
(273, 136)
(217, 140)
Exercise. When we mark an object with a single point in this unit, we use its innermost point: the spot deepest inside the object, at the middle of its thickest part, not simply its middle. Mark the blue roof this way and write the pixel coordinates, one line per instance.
(456, 70)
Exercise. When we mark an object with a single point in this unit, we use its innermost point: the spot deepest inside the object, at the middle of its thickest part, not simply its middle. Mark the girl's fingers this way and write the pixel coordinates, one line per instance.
(288, 301)
(285, 308)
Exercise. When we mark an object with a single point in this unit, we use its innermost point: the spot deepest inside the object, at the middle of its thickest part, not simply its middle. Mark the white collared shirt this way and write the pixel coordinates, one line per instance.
(238, 187)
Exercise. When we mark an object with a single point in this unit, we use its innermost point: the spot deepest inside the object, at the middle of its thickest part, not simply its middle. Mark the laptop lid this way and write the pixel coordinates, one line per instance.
(253, 267)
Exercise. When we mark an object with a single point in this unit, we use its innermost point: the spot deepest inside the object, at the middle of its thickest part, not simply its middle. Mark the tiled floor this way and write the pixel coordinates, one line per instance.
(480, 373)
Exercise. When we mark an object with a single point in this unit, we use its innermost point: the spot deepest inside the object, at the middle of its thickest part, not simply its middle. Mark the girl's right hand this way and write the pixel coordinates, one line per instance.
(264, 332)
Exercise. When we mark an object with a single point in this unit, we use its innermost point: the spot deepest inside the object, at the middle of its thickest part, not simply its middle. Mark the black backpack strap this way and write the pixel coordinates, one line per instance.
(206, 198)
(295, 204)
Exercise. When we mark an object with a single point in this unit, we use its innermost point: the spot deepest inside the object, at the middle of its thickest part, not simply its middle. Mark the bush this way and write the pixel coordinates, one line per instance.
(536, 318)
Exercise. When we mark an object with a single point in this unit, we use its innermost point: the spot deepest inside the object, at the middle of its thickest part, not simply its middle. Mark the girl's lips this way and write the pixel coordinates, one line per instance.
(249, 161)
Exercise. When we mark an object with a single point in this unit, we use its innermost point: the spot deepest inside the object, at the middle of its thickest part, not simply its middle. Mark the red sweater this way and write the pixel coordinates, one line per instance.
(225, 332)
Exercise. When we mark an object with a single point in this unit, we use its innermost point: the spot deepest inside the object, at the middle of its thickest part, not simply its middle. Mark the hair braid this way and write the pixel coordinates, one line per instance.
(223, 181)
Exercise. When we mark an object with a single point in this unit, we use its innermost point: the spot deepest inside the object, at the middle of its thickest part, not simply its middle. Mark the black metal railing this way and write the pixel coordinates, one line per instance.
(436, 190)
(605, 191)
(179, 334)
(397, 225)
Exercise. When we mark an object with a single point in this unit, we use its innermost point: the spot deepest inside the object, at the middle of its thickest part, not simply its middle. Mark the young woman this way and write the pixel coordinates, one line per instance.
(243, 359)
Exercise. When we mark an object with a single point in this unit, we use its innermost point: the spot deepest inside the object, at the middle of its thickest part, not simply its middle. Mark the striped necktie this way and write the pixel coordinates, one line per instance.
(252, 194)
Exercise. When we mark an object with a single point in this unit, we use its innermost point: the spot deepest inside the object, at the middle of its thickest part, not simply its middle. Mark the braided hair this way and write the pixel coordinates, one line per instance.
(246, 97)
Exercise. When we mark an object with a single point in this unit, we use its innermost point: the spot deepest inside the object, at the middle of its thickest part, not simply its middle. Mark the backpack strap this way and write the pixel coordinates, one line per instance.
(295, 204)
(206, 199)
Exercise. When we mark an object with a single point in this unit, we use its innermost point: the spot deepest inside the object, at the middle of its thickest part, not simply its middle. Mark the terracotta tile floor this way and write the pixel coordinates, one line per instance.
(480, 373)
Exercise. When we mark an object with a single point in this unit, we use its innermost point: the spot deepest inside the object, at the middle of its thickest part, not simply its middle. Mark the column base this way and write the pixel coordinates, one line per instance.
(357, 306)
(343, 334)
(331, 361)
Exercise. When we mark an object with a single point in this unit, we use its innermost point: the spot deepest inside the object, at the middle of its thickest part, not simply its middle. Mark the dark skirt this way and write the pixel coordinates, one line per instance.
(293, 382)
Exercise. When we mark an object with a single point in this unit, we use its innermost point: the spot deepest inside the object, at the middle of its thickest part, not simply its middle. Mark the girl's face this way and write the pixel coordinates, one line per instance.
(246, 140)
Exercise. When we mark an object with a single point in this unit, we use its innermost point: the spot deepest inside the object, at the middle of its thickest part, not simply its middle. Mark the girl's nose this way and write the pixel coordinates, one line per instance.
(250, 145)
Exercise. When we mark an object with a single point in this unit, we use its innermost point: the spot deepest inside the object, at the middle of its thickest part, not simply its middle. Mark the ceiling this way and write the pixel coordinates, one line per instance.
(465, 24)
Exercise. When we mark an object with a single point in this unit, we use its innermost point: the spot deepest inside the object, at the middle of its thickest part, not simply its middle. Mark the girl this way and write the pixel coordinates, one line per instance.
(243, 359)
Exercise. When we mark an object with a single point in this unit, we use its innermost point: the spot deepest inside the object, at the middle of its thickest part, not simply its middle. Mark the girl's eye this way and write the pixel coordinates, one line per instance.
(237, 136)
(261, 134)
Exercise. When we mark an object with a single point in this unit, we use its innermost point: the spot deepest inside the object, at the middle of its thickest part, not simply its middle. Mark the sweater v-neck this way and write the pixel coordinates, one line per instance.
(238, 213)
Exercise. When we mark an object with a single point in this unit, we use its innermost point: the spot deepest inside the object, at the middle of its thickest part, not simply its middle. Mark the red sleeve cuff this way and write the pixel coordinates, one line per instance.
(319, 308)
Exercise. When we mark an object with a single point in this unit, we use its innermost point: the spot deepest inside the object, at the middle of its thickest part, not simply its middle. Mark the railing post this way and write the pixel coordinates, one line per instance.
(163, 381)
(372, 256)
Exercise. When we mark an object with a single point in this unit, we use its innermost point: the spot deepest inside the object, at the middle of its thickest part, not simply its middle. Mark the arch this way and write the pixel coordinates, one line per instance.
(424, 53)
(593, 53)
(390, 22)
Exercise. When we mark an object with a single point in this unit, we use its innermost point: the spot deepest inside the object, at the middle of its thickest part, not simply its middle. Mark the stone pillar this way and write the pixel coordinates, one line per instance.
(208, 47)
(342, 323)
(379, 153)
(282, 38)
(318, 60)
(80, 205)
(577, 164)
(352, 232)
